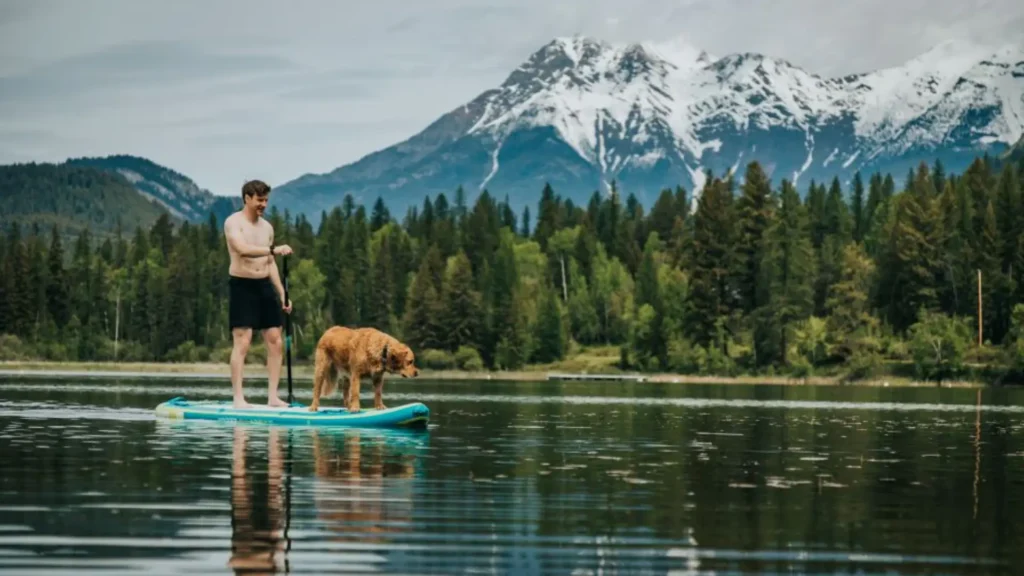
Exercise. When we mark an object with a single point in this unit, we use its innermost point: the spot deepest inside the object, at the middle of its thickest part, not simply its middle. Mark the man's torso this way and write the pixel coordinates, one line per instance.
(260, 233)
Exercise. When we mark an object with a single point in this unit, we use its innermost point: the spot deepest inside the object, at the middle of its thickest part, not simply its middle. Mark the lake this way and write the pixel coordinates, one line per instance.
(517, 478)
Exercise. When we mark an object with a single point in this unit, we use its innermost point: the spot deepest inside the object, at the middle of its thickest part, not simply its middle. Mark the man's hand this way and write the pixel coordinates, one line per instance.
(282, 250)
(287, 307)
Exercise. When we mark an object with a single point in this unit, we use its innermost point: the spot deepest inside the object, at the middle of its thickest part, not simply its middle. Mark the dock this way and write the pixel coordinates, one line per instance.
(597, 377)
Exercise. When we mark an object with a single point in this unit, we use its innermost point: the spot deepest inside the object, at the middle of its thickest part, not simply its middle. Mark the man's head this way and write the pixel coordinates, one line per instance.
(255, 194)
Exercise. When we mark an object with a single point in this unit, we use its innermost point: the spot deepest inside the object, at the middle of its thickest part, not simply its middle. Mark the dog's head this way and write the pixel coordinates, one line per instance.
(399, 358)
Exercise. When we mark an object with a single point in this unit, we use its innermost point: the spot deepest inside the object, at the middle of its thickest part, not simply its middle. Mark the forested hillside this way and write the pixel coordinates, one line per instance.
(752, 279)
(182, 197)
(73, 198)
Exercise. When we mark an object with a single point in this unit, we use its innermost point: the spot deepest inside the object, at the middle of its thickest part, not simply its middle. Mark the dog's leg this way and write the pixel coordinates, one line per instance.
(378, 388)
(323, 369)
(353, 392)
(344, 390)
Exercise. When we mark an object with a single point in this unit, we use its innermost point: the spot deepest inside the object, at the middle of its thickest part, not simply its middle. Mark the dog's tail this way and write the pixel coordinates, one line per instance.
(325, 374)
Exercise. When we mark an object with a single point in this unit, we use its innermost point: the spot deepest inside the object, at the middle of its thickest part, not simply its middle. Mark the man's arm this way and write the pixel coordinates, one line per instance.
(275, 279)
(237, 242)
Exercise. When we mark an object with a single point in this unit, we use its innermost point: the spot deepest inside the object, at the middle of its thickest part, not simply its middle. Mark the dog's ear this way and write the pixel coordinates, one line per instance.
(384, 356)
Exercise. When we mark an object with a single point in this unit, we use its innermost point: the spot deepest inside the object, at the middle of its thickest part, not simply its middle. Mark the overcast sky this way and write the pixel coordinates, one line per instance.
(224, 91)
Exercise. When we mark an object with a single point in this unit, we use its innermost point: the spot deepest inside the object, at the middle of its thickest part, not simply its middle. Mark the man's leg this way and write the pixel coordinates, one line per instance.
(275, 351)
(242, 337)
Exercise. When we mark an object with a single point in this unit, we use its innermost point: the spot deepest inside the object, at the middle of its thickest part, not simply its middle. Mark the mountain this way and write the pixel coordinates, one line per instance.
(72, 197)
(1016, 154)
(580, 113)
(175, 192)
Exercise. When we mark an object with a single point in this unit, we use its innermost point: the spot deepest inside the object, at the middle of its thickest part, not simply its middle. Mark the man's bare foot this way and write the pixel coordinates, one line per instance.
(276, 402)
(241, 403)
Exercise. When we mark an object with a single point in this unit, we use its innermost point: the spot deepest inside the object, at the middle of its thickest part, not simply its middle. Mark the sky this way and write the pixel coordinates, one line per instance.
(224, 90)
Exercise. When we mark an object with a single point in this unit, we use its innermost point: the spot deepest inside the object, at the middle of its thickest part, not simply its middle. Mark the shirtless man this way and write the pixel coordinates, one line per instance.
(255, 289)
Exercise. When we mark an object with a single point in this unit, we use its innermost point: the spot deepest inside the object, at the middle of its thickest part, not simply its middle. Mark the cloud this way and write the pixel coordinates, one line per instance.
(229, 89)
(135, 65)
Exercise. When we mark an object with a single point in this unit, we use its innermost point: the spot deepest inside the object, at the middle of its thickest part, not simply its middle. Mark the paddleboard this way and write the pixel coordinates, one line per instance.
(413, 415)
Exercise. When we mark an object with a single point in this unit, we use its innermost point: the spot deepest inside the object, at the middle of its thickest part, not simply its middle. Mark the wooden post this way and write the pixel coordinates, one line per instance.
(979, 309)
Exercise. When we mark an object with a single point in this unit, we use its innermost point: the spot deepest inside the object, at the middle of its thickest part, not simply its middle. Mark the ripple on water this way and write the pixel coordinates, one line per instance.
(506, 483)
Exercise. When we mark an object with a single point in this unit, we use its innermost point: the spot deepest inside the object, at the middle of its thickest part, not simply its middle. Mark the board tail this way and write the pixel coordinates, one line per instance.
(325, 375)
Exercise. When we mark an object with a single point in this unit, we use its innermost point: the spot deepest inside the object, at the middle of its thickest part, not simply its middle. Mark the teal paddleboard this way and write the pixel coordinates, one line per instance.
(414, 415)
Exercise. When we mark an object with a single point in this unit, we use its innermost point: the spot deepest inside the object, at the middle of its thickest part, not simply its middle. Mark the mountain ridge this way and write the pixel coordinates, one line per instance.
(177, 193)
(579, 113)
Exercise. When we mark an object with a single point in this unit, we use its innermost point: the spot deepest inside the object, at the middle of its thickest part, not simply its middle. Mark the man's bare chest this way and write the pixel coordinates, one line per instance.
(256, 234)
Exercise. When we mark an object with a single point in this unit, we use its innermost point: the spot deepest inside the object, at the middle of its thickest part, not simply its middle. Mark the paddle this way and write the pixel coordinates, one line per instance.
(288, 331)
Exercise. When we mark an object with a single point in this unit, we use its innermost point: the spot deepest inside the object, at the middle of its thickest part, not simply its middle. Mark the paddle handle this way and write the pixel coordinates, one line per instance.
(287, 329)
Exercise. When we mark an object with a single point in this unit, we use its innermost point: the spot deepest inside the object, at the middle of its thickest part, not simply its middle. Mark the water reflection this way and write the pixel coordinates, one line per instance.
(363, 491)
(706, 480)
(260, 507)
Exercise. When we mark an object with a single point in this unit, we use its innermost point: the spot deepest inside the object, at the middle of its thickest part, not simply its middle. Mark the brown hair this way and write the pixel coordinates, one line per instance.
(255, 188)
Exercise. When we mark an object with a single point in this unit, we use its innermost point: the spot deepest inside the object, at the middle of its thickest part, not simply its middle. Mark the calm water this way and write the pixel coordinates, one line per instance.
(522, 478)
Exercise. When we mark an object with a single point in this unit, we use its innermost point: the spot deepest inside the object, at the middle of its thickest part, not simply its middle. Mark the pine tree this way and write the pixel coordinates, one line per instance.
(848, 306)
(712, 263)
(57, 298)
(548, 220)
(551, 337)
(663, 215)
(462, 306)
(381, 299)
(788, 273)
(755, 211)
(837, 231)
(652, 343)
(423, 328)
(858, 209)
(19, 295)
(912, 269)
(380, 215)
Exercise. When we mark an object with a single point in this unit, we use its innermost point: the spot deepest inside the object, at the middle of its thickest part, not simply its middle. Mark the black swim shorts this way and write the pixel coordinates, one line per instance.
(253, 303)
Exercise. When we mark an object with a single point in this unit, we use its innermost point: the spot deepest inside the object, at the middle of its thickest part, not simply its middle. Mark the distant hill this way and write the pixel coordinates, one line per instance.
(73, 197)
(182, 197)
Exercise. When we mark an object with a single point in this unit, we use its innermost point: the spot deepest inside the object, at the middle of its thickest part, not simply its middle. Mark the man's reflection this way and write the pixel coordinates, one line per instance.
(257, 509)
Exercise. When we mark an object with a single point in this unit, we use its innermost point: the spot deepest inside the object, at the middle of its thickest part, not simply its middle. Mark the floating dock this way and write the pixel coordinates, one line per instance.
(598, 377)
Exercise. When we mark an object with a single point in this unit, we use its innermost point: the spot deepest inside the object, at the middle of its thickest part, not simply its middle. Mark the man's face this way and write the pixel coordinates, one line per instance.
(257, 203)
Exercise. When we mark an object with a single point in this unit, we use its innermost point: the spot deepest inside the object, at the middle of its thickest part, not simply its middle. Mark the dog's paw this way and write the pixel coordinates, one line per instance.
(314, 408)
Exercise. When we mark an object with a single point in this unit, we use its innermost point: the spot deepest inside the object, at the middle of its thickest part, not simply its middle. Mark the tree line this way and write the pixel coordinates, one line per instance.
(751, 277)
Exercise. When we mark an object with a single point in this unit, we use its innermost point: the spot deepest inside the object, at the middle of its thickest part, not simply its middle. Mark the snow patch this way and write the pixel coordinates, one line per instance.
(494, 165)
(831, 156)
(851, 159)
(807, 162)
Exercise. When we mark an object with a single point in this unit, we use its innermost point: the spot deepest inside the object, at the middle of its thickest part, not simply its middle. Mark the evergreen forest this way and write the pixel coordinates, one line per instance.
(753, 277)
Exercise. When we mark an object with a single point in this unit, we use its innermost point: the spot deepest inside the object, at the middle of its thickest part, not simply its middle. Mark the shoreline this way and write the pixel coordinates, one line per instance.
(303, 373)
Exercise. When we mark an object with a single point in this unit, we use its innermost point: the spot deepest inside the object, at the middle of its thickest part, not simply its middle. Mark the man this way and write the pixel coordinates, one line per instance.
(255, 290)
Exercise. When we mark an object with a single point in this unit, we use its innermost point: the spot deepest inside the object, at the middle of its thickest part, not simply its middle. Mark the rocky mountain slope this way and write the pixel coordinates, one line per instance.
(182, 198)
(580, 113)
(72, 197)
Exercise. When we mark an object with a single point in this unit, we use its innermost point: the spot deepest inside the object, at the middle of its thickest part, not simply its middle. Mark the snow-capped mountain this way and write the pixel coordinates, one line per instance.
(580, 113)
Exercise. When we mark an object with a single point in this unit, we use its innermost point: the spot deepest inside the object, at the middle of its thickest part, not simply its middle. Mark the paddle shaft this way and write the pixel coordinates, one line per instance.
(287, 330)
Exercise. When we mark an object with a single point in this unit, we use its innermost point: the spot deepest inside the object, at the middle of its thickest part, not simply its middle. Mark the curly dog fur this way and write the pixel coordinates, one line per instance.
(359, 352)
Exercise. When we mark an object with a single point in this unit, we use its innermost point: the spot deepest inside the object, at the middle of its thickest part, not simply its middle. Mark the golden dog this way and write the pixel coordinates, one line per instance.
(359, 352)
